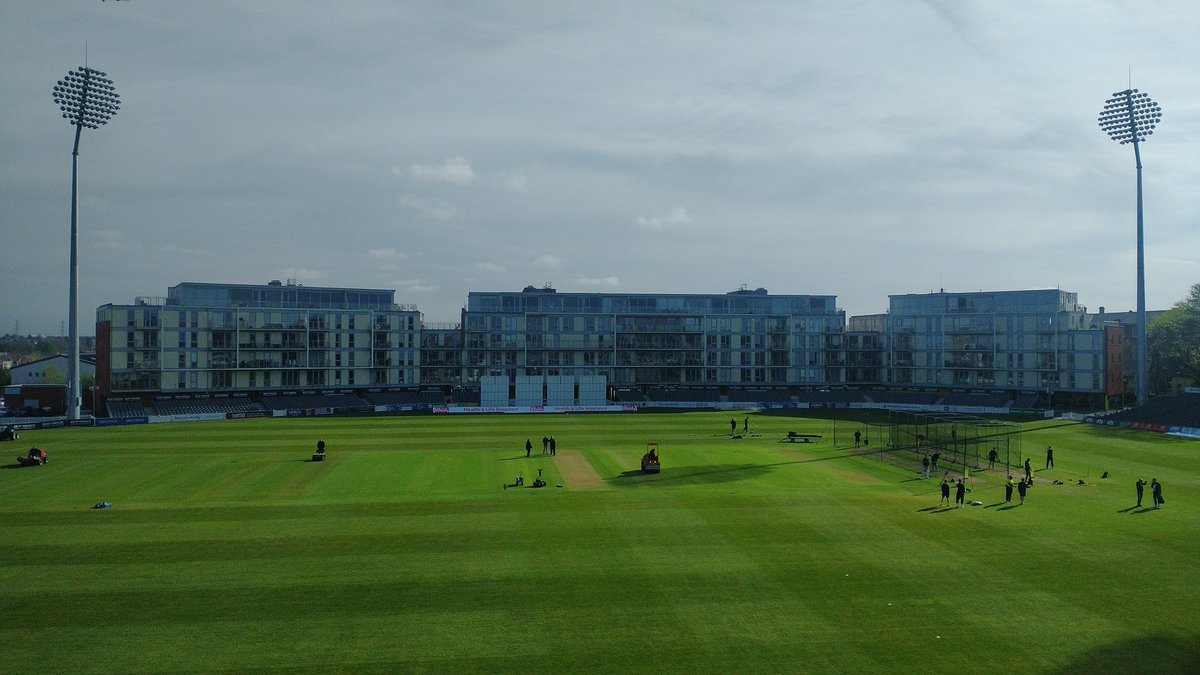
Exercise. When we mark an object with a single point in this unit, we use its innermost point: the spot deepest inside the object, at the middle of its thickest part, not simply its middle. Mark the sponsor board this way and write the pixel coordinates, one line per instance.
(1185, 432)
(200, 417)
(121, 421)
(532, 409)
(245, 415)
(44, 424)
(919, 407)
(393, 407)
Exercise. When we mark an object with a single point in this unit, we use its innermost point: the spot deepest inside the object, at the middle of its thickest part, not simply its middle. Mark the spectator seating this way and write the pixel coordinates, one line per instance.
(203, 406)
(996, 400)
(905, 397)
(308, 401)
(829, 396)
(1171, 411)
(626, 395)
(759, 396)
(403, 397)
(682, 395)
(406, 397)
(1025, 401)
(122, 408)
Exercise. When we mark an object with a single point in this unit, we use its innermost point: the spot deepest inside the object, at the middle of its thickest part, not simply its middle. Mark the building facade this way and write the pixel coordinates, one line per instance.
(233, 338)
(746, 338)
(207, 339)
(52, 369)
(1036, 341)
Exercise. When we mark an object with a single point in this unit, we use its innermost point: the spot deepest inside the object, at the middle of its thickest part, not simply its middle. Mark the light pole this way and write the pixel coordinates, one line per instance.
(87, 99)
(1129, 117)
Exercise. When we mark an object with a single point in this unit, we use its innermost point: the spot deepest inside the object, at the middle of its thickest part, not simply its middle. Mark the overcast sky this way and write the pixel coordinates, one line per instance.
(858, 149)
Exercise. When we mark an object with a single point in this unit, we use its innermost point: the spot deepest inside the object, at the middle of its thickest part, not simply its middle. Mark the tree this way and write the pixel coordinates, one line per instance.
(53, 375)
(1173, 343)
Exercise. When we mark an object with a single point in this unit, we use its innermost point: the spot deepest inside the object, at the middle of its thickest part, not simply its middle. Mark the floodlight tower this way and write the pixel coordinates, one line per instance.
(87, 99)
(1129, 117)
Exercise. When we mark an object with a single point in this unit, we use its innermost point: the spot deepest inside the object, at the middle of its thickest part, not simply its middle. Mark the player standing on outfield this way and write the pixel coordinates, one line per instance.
(945, 493)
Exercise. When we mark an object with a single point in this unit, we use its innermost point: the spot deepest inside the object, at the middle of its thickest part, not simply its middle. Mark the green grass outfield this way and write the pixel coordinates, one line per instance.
(226, 550)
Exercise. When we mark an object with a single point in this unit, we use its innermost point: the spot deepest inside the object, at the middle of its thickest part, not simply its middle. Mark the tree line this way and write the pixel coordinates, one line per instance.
(1173, 344)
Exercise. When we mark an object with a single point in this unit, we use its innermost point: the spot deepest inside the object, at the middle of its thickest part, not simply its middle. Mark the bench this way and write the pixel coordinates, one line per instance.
(319, 457)
(794, 437)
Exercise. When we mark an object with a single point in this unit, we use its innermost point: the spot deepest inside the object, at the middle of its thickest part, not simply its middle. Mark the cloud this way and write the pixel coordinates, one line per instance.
(414, 286)
(386, 254)
(432, 207)
(303, 276)
(181, 251)
(548, 262)
(454, 170)
(490, 267)
(112, 239)
(517, 182)
(598, 281)
(678, 217)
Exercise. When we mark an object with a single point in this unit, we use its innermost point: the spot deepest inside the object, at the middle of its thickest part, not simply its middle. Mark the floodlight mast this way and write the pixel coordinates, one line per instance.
(1130, 116)
(86, 98)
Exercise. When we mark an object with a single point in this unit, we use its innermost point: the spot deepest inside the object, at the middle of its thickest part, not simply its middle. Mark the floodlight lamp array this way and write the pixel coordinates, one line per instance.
(87, 97)
(1129, 116)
